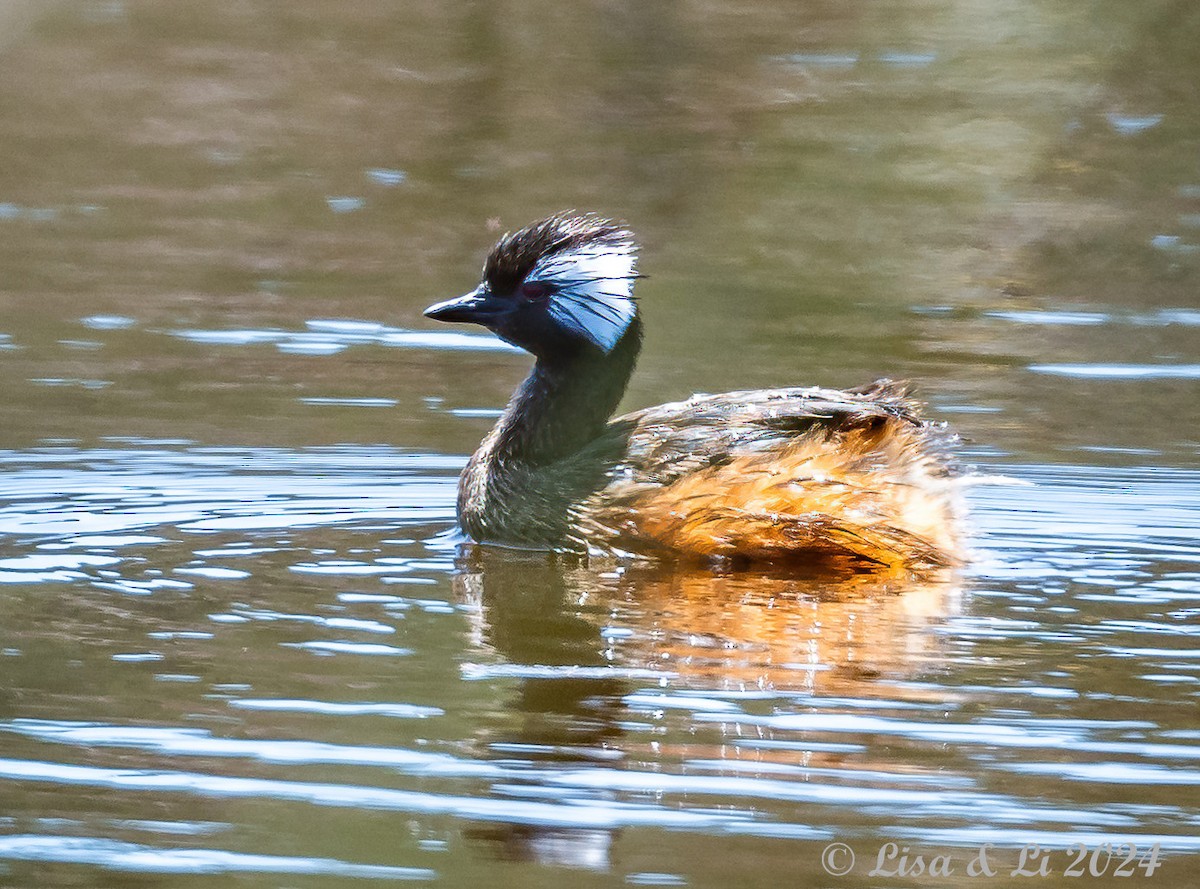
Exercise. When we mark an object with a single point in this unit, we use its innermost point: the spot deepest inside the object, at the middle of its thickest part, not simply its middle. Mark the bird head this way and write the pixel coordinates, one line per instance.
(556, 288)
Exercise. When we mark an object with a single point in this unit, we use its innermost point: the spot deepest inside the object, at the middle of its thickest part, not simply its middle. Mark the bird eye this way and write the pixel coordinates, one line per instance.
(534, 291)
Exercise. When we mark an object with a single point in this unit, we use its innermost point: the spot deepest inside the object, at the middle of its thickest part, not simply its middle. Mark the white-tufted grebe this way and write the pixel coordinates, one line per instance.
(854, 478)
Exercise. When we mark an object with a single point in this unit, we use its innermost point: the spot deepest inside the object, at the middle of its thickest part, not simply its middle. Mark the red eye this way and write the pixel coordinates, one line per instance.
(535, 291)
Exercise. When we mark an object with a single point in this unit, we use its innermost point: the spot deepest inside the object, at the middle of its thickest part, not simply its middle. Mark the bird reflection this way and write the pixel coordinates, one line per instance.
(597, 634)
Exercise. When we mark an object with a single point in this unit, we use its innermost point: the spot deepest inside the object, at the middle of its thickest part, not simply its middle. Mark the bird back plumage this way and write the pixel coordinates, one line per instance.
(814, 474)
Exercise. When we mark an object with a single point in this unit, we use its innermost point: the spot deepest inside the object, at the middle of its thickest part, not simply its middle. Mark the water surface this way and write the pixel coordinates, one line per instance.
(238, 638)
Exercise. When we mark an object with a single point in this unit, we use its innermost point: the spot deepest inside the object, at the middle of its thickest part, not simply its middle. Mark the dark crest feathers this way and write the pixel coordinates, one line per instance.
(515, 254)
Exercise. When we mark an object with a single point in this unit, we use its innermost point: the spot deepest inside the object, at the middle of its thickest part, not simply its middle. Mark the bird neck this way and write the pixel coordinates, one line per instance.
(566, 402)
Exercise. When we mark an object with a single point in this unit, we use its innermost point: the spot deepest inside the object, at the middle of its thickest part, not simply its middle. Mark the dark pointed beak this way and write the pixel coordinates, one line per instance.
(478, 307)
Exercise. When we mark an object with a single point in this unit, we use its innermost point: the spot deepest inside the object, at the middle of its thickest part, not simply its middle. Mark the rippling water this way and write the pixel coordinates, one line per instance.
(239, 638)
(213, 640)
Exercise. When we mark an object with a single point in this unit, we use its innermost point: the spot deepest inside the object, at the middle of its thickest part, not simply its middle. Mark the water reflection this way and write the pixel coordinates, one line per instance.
(736, 630)
(584, 643)
(566, 713)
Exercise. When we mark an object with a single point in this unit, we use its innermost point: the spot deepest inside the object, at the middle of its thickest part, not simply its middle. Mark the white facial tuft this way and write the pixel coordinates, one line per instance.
(593, 289)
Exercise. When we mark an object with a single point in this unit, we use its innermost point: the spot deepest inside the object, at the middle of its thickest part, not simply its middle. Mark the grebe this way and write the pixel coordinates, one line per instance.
(854, 478)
